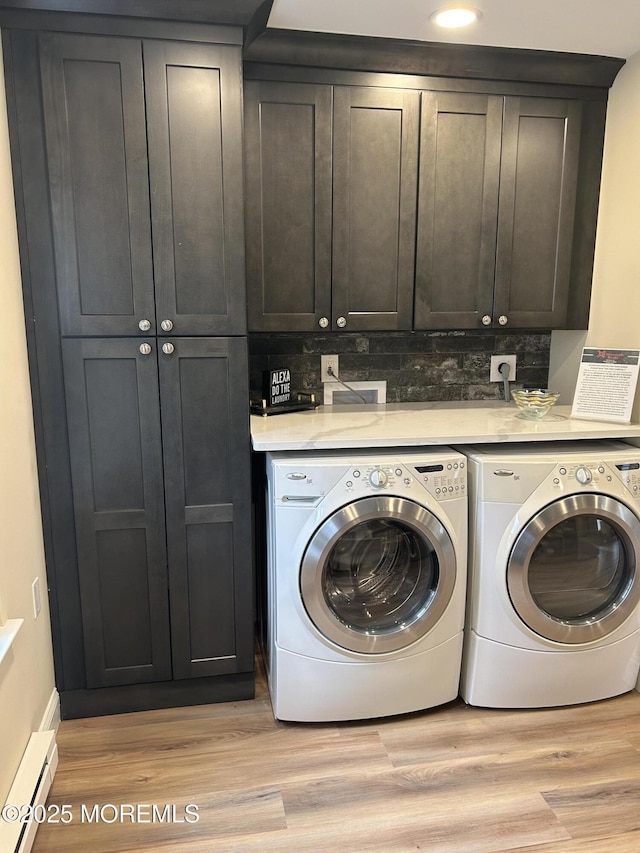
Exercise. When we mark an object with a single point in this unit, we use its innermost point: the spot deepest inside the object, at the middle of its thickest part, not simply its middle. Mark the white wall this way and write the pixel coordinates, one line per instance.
(26, 674)
(615, 303)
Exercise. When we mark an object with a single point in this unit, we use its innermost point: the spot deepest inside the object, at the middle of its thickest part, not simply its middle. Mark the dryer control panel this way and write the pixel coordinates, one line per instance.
(596, 474)
(581, 474)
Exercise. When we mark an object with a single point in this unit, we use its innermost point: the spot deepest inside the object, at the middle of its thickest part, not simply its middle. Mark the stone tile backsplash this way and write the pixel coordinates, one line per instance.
(417, 366)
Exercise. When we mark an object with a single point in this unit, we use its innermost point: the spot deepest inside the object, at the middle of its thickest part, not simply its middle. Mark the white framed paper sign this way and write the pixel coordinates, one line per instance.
(606, 384)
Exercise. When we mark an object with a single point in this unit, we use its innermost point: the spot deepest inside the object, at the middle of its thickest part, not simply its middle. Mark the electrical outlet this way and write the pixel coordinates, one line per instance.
(496, 361)
(326, 362)
(37, 603)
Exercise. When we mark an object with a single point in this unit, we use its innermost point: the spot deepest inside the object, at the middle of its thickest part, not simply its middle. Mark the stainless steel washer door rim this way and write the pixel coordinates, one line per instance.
(613, 603)
(427, 606)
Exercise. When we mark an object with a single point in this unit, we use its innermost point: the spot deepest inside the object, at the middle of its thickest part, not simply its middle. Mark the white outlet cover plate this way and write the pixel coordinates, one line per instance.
(325, 361)
(496, 361)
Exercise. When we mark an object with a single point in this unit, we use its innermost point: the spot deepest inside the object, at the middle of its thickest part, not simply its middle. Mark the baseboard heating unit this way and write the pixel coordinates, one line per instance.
(29, 791)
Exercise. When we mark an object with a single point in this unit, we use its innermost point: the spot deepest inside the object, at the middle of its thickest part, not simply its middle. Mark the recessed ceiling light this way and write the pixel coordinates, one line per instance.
(456, 16)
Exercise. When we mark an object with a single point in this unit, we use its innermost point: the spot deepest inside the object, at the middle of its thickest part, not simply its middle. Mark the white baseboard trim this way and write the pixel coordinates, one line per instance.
(33, 779)
(29, 790)
(51, 717)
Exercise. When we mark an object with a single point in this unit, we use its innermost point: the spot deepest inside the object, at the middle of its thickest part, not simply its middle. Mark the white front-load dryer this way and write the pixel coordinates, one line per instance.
(366, 582)
(553, 608)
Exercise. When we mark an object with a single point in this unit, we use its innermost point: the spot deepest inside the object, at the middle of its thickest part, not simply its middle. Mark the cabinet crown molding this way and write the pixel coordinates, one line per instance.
(238, 12)
(294, 47)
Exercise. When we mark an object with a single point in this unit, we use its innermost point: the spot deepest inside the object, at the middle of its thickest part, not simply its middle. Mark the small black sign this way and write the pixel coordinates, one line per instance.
(277, 386)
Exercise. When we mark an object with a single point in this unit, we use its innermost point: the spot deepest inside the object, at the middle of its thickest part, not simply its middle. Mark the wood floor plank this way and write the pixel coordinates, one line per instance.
(626, 843)
(473, 829)
(598, 810)
(123, 744)
(462, 729)
(229, 767)
(218, 816)
(463, 778)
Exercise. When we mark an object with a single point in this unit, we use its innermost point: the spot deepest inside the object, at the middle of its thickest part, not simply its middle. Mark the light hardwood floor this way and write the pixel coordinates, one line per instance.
(453, 780)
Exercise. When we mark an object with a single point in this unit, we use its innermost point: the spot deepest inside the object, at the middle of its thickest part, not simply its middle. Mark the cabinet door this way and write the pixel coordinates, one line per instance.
(288, 177)
(374, 207)
(194, 119)
(457, 209)
(94, 114)
(205, 425)
(538, 185)
(116, 468)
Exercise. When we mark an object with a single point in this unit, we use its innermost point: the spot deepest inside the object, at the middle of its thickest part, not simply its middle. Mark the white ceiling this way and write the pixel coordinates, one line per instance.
(602, 27)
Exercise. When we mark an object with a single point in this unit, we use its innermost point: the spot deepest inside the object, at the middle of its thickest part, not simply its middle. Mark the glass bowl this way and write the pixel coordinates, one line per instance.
(534, 403)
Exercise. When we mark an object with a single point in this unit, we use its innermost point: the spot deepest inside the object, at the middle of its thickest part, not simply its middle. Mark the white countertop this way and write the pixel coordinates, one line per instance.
(416, 424)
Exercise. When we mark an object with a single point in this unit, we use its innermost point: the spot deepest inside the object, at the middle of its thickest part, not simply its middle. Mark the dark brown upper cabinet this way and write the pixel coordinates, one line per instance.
(458, 208)
(538, 189)
(145, 172)
(288, 132)
(497, 198)
(375, 152)
(331, 176)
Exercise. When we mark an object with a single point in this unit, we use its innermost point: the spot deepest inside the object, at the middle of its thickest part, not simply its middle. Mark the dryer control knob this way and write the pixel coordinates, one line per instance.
(378, 479)
(583, 476)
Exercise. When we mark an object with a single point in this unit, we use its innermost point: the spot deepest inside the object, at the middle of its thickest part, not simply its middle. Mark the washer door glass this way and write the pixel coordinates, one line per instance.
(378, 574)
(572, 574)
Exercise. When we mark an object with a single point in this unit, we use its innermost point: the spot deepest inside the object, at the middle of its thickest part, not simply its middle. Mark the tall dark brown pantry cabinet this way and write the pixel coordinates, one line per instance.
(128, 167)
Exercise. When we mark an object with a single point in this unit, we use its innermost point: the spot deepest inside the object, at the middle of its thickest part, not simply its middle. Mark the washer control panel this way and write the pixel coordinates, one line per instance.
(442, 479)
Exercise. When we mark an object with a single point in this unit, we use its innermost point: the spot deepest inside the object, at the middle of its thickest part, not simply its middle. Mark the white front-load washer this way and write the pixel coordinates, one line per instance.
(366, 582)
(553, 608)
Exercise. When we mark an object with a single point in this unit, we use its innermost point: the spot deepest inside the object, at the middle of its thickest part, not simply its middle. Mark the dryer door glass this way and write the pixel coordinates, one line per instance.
(378, 574)
(572, 574)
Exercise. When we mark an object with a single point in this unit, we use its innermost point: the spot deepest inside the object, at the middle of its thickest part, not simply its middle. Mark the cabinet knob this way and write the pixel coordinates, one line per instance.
(341, 322)
(503, 320)
(145, 349)
(168, 348)
(486, 320)
(166, 325)
(144, 325)
(323, 322)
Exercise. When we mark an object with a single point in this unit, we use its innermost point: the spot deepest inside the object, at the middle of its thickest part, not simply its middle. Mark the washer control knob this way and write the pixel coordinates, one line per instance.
(583, 476)
(378, 479)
